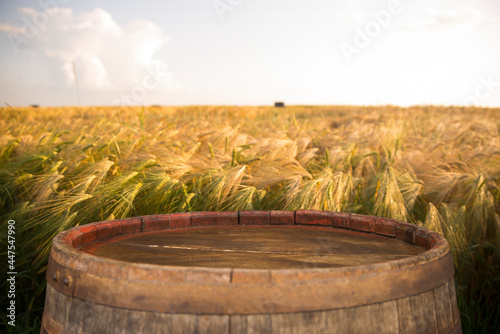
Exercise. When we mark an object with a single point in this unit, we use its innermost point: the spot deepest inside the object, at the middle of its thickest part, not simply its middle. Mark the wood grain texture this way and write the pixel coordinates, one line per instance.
(453, 299)
(414, 314)
(56, 310)
(417, 314)
(64, 314)
(444, 312)
(295, 323)
(92, 294)
(251, 324)
(376, 318)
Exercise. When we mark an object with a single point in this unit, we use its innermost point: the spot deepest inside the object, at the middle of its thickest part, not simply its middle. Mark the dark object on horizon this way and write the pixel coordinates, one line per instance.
(279, 104)
(34, 105)
(155, 106)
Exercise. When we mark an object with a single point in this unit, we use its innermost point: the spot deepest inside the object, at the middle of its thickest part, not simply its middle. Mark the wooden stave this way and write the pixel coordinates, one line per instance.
(374, 318)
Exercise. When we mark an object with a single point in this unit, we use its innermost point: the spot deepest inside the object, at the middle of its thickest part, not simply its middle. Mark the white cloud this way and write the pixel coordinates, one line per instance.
(7, 28)
(107, 55)
(452, 17)
(26, 10)
(440, 19)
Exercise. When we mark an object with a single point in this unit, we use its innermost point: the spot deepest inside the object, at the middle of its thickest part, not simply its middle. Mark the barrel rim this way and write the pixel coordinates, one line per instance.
(81, 273)
(436, 245)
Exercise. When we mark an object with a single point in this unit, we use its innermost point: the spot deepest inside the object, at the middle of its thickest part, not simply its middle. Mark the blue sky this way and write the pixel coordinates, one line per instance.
(250, 52)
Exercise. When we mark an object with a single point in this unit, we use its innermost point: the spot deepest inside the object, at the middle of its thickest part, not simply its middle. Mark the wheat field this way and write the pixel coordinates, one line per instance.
(428, 165)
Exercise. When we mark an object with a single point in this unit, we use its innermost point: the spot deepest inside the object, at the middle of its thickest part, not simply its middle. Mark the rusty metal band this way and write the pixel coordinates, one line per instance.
(50, 326)
(228, 297)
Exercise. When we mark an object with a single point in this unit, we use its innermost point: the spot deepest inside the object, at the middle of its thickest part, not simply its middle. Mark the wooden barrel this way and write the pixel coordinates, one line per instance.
(250, 272)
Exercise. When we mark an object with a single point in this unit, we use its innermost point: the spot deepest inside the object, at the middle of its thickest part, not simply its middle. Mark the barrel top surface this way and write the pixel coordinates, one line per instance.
(255, 247)
(236, 262)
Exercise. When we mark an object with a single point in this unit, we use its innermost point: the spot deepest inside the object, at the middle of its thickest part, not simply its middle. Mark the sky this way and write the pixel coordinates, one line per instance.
(250, 52)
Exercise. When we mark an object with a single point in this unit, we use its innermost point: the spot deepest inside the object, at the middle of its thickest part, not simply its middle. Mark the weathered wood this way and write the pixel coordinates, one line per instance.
(417, 314)
(384, 317)
(375, 318)
(56, 310)
(413, 314)
(85, 317)
(359, 320)
(444, 313)
(453, 301)
(251, 324)
(94, 294)
(250, 247)
(293, 323)
(338, 321)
